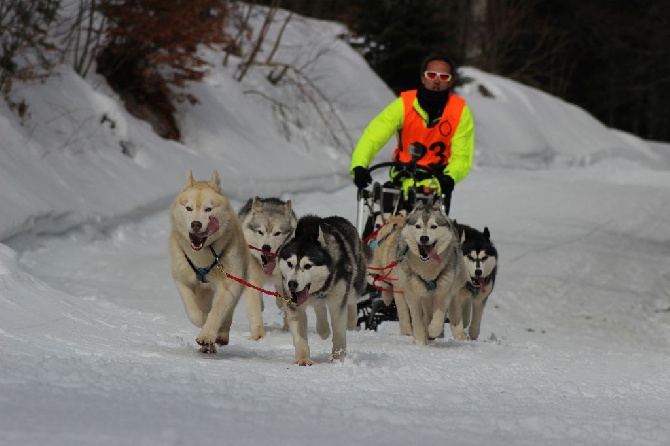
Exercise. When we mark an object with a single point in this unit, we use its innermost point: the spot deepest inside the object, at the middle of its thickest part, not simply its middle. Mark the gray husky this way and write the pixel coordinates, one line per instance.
(324, 266)
(267, 223)
(481, 260)
(430, 271)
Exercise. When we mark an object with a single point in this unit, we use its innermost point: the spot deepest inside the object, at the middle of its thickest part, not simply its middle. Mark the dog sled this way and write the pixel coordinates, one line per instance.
(376, 204)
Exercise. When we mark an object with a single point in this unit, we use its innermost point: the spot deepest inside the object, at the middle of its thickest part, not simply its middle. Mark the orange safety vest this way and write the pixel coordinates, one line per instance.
(437, 139)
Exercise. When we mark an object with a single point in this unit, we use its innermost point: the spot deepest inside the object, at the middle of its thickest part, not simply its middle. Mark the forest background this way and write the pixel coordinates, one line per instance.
(610, 58)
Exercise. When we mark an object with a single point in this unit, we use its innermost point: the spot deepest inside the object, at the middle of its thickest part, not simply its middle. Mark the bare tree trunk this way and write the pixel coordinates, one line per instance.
(249, 60)
(279, 36)
(476, 34)
(236, 42)
(275, 76)
(84, 50)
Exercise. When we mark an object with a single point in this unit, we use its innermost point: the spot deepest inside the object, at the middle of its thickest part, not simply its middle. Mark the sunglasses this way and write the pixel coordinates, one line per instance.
(431, 75)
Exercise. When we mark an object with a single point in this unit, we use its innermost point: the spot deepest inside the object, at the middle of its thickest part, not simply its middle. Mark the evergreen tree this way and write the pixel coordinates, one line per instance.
(395, 35)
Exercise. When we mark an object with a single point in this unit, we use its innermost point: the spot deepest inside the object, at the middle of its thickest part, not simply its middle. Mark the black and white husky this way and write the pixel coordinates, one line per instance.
(481, 260)
(324, 266)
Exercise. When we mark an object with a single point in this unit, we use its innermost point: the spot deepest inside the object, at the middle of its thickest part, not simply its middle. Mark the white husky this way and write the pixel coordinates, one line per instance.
(206, 242)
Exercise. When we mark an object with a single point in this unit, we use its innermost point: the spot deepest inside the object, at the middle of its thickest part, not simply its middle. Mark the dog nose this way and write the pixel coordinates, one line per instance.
(424, 239)
(196, 226)
(266, 248)
(478, 272)
(292, 285)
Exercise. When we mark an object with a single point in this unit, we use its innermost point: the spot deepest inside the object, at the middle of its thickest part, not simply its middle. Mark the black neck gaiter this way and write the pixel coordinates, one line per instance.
(432, 102)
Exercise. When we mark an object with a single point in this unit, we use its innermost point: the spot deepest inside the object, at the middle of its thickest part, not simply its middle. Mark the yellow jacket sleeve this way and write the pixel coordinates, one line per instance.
(462, 147)
(377, 134)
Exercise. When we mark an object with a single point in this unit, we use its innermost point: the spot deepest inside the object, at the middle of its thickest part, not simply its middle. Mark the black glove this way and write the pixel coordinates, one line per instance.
(362, 177)
(446, 183)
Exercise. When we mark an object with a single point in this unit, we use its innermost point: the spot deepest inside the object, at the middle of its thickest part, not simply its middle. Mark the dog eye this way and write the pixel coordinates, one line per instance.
(433, 226)
(189, 208)
(307, 266)
(289, 264)
(277, 234)
(260, 232)
(470, 257)
(484, 258)
(208, 209)
(418, 226)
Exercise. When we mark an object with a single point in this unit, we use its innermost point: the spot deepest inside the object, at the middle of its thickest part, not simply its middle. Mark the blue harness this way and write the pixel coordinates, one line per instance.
(201, 273)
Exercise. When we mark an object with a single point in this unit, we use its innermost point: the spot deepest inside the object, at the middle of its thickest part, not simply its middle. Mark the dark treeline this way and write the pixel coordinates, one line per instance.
(611, 58)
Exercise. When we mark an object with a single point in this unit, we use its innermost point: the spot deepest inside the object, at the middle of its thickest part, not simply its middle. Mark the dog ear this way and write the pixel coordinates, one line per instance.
(321, 238)
(189, 178)
(255, 204)
(400, 248)
(288, 208)
(215, 182)
(487, 234)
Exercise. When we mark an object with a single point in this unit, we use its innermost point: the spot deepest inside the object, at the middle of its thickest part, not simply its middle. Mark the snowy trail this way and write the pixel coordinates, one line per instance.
(571, 340)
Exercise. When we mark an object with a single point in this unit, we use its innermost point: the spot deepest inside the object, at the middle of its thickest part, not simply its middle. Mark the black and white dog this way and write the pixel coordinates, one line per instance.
(481, 260)
(324, 266)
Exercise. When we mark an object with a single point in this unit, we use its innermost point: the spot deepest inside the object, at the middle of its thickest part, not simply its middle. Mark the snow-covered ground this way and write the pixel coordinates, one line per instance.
(96, 347)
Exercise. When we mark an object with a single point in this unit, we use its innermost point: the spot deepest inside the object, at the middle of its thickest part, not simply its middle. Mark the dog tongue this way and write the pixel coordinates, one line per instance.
(212, 227)
(433, 256)
(269, 267)
(302, 296)
(482, 285)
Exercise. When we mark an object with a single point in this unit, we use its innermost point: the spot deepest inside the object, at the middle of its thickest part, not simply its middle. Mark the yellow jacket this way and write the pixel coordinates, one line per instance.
(390, 122)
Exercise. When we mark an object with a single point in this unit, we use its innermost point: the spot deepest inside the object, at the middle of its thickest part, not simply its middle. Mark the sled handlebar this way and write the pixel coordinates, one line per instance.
(410, 168)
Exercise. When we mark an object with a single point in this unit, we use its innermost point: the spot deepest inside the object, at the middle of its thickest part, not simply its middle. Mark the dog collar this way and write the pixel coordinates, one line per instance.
(474, 290)
(430, 284)
(201, 273)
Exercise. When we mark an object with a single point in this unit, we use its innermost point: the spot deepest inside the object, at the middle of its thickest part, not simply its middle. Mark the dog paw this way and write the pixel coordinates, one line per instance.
(222, 340)
(303, 362)
(338, 355)
(258, 334)
(206, 337)
(434, 331)
(460, 336)
(204, 340)
(208, 349)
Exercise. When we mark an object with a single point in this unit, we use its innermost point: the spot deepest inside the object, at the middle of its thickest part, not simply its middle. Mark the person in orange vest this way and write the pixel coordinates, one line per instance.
(431, 116)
